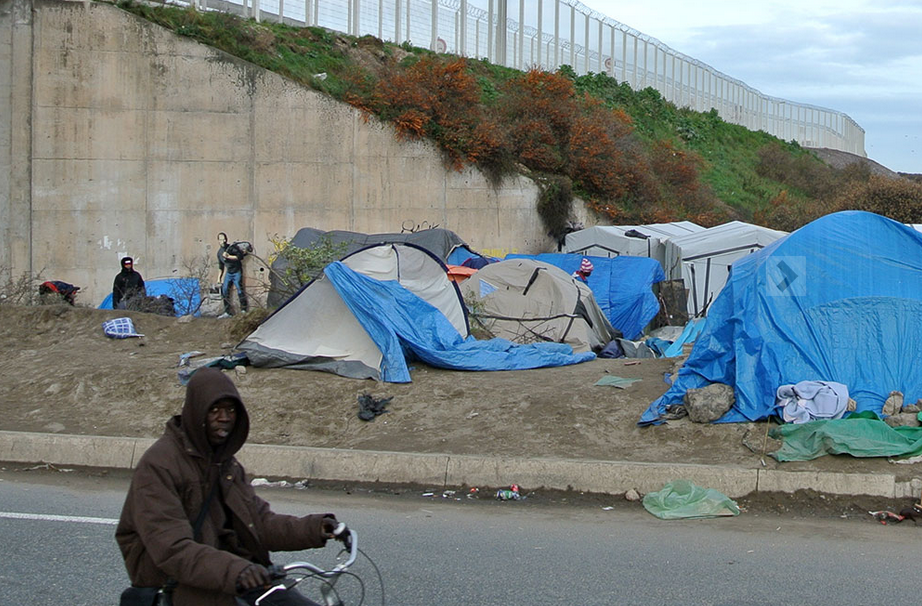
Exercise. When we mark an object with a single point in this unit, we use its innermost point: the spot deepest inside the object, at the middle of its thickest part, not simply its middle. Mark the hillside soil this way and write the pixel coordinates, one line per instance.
(63, 375)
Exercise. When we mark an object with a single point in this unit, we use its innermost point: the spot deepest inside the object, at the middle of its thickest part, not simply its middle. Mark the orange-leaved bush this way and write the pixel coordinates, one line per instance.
(538, 108)
(683, 193)
(605, 158)
(434, 98)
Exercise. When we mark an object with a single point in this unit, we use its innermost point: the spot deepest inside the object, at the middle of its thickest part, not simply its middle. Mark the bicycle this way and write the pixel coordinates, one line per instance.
(289, 575)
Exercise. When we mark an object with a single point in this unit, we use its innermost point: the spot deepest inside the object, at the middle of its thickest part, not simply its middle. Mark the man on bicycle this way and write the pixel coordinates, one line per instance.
(192, 521)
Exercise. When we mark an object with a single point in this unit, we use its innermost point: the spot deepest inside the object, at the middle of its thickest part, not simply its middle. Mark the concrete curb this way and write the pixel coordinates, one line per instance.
(442, 470)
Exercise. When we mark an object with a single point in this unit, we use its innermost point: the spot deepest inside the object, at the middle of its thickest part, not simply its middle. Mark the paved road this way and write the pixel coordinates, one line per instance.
(438, 551)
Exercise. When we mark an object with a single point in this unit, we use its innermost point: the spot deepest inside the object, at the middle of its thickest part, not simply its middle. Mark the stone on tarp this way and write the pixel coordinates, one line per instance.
(903, 419)
(893, 404)
(707, 404)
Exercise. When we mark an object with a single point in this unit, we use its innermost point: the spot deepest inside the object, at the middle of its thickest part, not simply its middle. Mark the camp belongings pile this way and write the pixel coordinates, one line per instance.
(830, 302)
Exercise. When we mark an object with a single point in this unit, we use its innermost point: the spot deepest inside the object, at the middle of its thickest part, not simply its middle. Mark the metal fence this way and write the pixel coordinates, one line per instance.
(550, 33)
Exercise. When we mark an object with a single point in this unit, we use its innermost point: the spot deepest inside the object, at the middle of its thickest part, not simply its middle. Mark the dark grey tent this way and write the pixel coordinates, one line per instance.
(439, 242)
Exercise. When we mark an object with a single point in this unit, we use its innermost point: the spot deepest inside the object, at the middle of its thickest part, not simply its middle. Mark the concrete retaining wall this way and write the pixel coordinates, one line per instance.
(120, 137)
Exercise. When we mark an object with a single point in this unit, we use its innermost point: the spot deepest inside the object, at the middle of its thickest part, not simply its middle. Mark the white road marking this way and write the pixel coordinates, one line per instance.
(53, 518)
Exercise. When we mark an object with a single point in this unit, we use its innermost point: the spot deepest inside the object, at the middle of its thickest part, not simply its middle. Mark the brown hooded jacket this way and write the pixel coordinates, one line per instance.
(170, 485)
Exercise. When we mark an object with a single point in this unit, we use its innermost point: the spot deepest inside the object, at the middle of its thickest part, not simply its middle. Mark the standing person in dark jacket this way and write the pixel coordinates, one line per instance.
(233, 275)
(127, 285)
(172, 482)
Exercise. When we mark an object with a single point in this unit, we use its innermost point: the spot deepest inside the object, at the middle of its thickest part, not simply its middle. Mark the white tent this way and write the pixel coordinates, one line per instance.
(315, 330)
(703, 259)
(634, 240)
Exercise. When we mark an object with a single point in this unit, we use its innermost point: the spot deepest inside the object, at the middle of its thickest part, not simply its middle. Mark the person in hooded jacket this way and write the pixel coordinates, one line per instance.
(172, 481)
(127, 284)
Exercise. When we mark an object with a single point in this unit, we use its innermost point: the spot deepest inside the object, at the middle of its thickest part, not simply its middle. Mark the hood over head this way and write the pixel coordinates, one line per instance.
(207, 386)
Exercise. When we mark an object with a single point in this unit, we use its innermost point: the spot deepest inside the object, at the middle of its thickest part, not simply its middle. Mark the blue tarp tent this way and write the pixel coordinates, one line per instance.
(622, 286)
(404, 326)
(837, 300)
(185, 292)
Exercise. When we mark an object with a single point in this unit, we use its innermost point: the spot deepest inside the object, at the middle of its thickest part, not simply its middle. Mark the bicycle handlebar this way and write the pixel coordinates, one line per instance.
(351, 543)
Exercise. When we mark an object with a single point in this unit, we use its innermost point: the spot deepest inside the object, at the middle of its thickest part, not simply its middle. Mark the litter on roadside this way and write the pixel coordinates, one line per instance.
(264, 483)
(907, 513)
(509, 494)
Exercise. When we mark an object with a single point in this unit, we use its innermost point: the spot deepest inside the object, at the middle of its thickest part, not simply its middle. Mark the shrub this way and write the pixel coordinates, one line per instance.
(606, 160)
(685, 196)
(19, 290)
(801, 171)
(439, 99)
(554, 204)
(301, 265)
(539, 111)
(894, 197)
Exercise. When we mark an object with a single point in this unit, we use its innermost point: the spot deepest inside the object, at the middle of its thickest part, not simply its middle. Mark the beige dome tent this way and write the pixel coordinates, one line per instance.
(528, 301)
(315, 330)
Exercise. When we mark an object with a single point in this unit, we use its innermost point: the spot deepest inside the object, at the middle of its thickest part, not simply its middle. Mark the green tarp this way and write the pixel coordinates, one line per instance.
(860, 435)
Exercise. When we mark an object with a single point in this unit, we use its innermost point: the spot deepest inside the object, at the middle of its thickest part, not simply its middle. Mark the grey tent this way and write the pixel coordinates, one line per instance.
(528, 301)
(439, 242)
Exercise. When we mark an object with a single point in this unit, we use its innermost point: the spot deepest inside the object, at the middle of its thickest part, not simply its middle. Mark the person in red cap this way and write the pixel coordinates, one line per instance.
(585, 269)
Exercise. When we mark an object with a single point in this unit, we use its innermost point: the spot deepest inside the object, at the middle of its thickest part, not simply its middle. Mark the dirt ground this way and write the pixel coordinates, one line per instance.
(62, 374)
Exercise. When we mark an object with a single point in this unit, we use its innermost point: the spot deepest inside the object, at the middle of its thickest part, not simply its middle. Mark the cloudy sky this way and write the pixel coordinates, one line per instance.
(860, 57)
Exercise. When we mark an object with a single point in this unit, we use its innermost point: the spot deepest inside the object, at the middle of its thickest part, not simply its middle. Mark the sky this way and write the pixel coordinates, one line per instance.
(860, 57)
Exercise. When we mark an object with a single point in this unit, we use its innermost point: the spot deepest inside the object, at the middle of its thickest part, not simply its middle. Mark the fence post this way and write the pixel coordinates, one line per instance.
(556, 62)
(357, 18)
(462, 15)
(490, 14)
(573, 37)
(540, 35)
(601, 47)
(521, 37)
(434, 26)
(499, 52)
(611, 72)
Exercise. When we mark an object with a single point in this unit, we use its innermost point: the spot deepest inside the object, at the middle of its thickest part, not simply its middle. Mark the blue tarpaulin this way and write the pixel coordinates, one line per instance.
(837, 300)
(404, 326)
(187, 298)
(622, 286)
